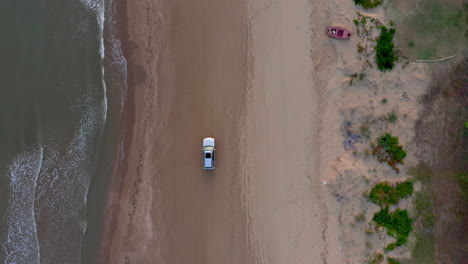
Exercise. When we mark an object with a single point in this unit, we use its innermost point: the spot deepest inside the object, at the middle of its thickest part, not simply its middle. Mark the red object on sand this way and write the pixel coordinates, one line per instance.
(338, 32)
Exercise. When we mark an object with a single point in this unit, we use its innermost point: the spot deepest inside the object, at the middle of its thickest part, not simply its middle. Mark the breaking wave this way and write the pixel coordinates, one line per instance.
(22, 244)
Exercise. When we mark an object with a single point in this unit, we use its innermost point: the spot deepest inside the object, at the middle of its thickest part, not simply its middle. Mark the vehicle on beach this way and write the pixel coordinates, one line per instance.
(338, 32)
(209, 154)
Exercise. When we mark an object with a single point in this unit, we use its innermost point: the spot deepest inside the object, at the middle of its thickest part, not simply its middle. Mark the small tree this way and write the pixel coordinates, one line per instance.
(388, 150)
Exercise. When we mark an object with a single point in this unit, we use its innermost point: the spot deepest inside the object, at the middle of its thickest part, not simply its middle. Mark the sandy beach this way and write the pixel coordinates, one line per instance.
(221, 69)
(279, 96)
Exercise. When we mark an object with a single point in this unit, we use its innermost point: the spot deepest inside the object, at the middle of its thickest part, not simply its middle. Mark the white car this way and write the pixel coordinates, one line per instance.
(208, 151)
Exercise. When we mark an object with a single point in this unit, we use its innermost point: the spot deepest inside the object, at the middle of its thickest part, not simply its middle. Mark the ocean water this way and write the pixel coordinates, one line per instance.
(62, 86)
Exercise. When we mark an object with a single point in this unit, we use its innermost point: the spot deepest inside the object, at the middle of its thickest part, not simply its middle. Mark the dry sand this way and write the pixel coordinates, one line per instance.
(264, 80)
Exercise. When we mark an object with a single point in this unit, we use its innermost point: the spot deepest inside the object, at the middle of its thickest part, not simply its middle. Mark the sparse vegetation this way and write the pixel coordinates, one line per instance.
(385, 49)
(360, 48)
(423, 250)
(463, 183)
(368, 3)
(378, 258)
(384, 194)
(392, 117)
(388, 150)
(384, 100)
(411, 43)
(365, 131)
(359, 218)
(442, 120)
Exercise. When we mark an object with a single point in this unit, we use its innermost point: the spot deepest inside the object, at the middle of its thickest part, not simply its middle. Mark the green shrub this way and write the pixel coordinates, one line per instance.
(389, 150)
(383, 194)
(398, 224)
(385, 49)
(391, 247)
(368, 3)
(404, 189)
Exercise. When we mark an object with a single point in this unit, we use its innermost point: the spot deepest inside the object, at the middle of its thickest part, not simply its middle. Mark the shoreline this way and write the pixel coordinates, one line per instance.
(127, 121)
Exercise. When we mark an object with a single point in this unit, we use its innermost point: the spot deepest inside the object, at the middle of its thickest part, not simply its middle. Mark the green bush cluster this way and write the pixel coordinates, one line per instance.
(368, 3)
(383, 194)
(385, 49)
(389, 150)
(398, 224)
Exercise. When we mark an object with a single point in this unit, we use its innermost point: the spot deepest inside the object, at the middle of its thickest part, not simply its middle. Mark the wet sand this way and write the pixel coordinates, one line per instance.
(188, 72)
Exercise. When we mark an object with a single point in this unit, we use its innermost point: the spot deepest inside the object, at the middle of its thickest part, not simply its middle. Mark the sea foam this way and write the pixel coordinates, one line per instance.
(22, 244)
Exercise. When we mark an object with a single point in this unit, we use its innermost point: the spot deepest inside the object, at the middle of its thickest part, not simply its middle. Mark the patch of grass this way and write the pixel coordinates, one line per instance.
(427, 54)
(368, 3)
(384, 100)
(368, 244)
(423, 205)
(384, 194)
(463, 183)
(421, 174)
(385, 49)
(398, 224)
(424, 249)
(389, 150)
(392, 117)
(411, 43)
